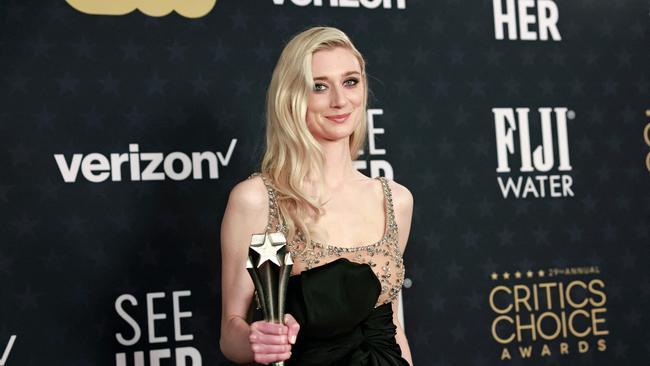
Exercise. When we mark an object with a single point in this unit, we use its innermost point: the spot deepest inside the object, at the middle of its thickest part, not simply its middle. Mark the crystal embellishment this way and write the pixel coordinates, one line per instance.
(384, 256)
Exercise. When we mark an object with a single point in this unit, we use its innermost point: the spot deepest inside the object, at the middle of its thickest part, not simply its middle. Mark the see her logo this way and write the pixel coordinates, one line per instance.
(158, 8)
(171, 348)
(529, 20)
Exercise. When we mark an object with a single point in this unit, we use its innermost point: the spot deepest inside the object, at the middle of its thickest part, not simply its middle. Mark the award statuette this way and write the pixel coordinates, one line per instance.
(269, 264)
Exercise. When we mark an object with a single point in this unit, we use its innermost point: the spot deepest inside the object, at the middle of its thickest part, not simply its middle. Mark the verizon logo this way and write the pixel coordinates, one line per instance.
(143, 166)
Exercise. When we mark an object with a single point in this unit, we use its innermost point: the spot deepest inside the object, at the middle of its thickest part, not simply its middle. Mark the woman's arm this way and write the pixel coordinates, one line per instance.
(400, 337)
(263, 342)
(246, 214)
(403, 200)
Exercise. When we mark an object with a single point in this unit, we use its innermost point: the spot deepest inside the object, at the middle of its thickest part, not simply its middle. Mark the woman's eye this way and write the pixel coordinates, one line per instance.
(319, 87)
(351, 82)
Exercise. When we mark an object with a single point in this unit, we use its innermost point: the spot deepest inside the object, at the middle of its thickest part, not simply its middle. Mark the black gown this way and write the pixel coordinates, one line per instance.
(339, 323)
(342, 298)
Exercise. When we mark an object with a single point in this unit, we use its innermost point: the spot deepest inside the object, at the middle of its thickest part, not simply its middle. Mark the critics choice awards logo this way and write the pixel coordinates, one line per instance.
(557, 311)
(186, 8)
(166, 336)
(543, 169)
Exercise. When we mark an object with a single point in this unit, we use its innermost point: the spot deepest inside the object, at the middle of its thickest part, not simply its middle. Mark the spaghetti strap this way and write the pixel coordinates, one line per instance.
(275, 222)
(390, 212)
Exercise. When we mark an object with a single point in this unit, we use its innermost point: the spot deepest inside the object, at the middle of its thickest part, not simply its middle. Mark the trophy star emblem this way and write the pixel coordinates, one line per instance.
(267, 246)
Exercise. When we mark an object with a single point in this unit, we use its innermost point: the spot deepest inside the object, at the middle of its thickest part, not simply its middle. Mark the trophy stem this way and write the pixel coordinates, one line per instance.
(259, 289)
(269, 265)
(285, 271)
(270, 282)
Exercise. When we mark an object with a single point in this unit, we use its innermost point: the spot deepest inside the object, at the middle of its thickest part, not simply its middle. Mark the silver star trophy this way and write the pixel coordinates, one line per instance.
(269, 264)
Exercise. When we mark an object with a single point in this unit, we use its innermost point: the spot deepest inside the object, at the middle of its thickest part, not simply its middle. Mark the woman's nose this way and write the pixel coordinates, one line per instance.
(337, 98)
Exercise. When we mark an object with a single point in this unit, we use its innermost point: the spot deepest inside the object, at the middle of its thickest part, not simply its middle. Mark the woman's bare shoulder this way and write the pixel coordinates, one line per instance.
(249, 195)
(402, 196)
(403, 203)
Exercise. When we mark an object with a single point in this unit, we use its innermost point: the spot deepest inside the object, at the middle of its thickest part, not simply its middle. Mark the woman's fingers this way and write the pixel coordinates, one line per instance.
(269, 328)
(270, 348)
(293, 327)
(271, 342)
(262, 338)
(268, 358)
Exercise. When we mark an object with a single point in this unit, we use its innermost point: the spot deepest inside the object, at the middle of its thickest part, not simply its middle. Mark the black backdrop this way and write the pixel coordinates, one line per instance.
(89, 260)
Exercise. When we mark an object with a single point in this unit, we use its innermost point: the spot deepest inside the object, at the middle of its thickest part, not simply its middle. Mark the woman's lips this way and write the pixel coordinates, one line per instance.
(338, 118)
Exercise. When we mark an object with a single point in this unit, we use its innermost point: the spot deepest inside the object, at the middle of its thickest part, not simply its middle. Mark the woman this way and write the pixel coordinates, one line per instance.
(341, 299)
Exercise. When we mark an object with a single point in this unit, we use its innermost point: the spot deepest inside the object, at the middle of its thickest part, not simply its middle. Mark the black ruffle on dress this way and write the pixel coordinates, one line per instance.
(339, 323)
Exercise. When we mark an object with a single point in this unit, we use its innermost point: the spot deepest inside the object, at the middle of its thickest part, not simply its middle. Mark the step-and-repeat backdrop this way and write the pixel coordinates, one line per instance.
(522, 128)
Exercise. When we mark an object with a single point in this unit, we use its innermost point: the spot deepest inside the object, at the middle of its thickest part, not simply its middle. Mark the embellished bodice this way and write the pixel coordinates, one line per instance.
(383, 257)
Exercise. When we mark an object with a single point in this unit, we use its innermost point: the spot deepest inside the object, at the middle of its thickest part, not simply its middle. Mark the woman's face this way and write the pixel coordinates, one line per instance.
(335, 105)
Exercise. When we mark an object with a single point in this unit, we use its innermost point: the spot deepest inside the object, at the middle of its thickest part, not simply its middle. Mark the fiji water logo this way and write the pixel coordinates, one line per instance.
(544, 169)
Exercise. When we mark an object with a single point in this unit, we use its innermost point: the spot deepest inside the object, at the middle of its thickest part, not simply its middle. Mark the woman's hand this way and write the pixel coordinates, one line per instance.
(272, 342)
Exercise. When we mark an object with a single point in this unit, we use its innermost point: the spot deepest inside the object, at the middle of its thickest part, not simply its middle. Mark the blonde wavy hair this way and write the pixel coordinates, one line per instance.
(293, 157)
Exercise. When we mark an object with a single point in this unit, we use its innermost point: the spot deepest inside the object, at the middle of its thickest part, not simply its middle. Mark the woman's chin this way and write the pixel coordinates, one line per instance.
(333, 132)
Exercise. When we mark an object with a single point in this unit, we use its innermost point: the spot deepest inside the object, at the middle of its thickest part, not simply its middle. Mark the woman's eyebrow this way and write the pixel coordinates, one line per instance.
(344, 74)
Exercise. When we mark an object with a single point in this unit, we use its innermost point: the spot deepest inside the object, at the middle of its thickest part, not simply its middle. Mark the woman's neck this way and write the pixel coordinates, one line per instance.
(338, 168)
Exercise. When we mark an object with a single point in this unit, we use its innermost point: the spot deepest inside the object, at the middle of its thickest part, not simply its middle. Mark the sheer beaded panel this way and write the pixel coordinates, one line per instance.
(383, 256)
